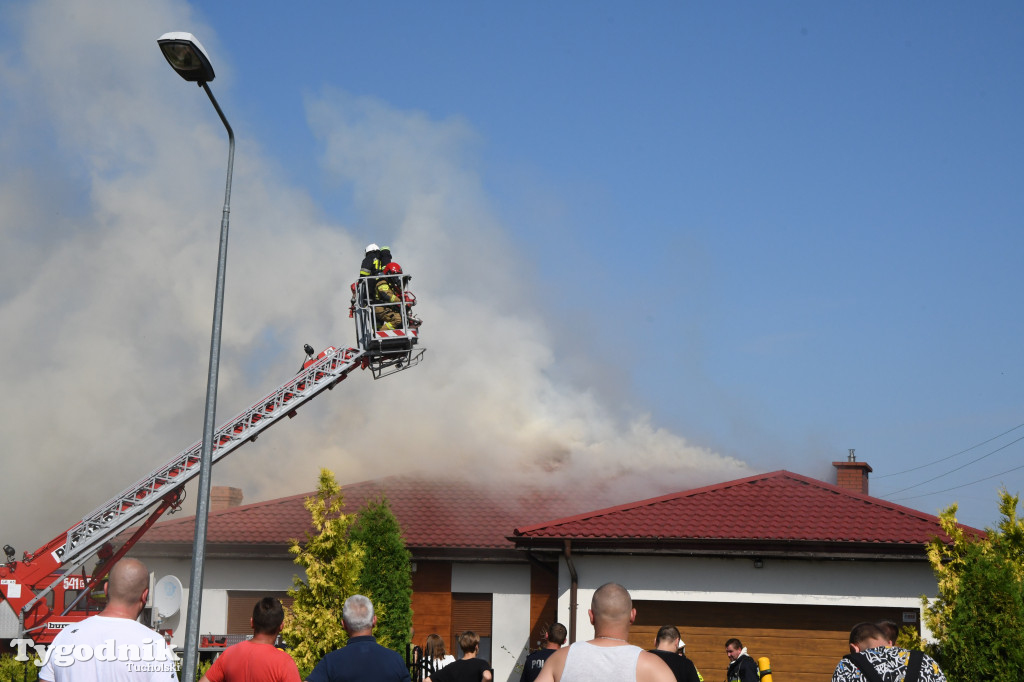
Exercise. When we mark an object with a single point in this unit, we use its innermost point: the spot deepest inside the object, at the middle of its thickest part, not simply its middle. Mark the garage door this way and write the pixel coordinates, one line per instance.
(804, 643)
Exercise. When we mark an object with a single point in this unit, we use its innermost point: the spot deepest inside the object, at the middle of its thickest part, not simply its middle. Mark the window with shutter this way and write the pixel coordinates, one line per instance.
(240, 605)
(472, 611)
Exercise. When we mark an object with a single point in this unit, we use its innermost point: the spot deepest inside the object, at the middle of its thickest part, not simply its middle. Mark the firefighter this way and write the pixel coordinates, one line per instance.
(388, 290)
(374, 260)
(371, 261)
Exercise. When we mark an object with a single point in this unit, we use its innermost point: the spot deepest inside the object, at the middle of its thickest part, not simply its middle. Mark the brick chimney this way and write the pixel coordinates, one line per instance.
(224, 497)
(852, 475)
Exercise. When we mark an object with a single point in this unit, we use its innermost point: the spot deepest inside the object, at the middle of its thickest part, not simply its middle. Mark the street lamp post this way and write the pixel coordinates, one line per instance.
(187, 56)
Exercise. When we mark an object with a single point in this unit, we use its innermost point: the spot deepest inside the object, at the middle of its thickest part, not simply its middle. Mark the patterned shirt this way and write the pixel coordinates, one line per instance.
(891, 665)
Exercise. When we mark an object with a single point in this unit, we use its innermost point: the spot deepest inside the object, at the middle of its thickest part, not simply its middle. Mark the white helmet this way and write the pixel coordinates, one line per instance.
(372, 247)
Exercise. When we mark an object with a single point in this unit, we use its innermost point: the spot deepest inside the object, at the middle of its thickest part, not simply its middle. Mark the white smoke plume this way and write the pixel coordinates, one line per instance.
(111, 187)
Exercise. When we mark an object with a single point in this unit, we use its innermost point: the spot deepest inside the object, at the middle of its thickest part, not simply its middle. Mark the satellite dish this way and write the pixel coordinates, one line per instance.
(167, 596)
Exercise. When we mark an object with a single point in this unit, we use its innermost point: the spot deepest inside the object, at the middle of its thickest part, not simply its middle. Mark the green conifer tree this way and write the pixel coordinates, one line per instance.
(333, 563)
(985, 633)
(978, 618)
(386, 577)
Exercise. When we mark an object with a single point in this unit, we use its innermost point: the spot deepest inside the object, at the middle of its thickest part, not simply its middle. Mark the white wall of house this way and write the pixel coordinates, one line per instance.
(509, 585)
(847, 583)
(826, 583)
(219, 577)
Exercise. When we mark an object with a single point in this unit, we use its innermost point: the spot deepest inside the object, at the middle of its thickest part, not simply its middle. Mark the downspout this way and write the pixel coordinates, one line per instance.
(572, 590)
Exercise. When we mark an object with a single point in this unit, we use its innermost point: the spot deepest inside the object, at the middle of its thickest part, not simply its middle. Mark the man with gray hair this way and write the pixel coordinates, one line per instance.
(362, 659)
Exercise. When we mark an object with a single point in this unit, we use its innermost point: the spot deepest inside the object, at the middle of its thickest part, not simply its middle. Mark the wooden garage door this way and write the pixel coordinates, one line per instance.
(804, 643)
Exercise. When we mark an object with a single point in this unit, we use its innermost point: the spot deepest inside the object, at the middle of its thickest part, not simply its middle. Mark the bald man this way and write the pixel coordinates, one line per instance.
(113, 645)
(607, 657)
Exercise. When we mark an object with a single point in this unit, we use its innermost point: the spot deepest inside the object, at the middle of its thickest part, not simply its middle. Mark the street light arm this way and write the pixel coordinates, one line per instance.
(231, 133)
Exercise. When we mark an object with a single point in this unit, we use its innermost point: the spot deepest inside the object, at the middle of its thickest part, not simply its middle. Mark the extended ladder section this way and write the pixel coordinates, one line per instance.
(127, 508)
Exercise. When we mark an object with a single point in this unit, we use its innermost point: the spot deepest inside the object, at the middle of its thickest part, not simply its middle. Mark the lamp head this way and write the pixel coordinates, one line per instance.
(187, 56)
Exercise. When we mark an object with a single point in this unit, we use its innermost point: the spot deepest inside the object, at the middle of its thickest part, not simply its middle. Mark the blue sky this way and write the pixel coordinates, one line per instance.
(798, 223)
(743, 236)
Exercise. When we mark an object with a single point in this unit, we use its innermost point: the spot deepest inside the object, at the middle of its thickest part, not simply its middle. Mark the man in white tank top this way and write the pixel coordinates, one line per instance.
(608, 657)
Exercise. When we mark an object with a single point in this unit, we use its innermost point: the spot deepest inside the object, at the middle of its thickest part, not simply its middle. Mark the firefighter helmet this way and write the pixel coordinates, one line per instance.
(372, 247)
(392, 269)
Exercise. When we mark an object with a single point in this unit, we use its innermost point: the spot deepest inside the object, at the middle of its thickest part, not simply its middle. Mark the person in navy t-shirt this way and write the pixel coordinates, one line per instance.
(556, 636)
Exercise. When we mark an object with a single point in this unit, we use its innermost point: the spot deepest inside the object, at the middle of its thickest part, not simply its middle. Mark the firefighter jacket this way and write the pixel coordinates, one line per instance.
(385, 291)
(370, 266)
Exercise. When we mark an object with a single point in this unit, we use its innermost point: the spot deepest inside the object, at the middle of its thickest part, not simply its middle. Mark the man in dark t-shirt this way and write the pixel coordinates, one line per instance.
(666, 646)
(467, 669)
(535, 662)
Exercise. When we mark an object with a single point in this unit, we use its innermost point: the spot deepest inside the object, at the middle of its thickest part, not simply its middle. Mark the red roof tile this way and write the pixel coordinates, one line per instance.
(273, 522)
(776, 507)
(432, 514)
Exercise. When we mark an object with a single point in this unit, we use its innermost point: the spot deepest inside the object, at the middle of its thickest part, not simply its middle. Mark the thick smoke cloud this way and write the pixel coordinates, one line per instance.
(110, 197)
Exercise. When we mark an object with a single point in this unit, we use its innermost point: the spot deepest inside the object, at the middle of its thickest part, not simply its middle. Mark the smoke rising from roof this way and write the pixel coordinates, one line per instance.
(110, 200)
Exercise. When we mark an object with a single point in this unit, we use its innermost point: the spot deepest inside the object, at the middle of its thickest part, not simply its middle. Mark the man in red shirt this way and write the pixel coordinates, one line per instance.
(257, 659)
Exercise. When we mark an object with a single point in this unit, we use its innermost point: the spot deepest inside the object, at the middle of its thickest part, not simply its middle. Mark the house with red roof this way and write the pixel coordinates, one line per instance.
(784, 562)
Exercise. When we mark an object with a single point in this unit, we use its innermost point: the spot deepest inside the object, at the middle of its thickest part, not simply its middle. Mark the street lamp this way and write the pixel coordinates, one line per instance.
(187, 56)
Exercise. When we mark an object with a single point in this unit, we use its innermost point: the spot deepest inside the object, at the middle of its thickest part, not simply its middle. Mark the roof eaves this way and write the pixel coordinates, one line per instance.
(791, 549)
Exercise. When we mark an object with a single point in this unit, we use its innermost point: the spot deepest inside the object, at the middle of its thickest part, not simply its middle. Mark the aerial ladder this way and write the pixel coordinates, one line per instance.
(44, 592)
